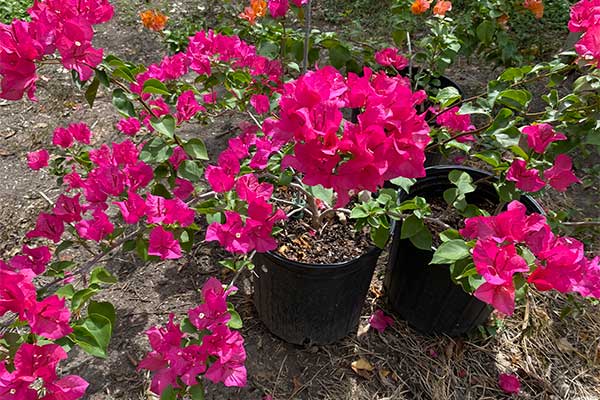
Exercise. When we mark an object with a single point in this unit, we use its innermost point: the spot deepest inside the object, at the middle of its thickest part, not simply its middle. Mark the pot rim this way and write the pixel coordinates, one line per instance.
(320, 267)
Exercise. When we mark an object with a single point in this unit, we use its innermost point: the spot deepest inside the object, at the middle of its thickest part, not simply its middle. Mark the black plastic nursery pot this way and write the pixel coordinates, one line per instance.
(311, 303)
(422, 294)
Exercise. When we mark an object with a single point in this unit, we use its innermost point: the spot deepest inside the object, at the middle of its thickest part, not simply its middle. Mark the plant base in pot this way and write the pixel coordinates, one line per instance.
(311, 303)
(424, 295)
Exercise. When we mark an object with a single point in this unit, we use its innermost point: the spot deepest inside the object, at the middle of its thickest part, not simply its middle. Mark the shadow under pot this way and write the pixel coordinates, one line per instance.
(309, 304)
(424, 295)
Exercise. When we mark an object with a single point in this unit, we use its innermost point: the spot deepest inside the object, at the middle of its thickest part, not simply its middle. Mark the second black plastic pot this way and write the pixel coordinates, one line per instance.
(311, 303)
(422, 294)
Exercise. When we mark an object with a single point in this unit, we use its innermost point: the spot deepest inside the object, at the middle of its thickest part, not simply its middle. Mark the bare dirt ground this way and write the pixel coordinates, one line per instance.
(555, 358)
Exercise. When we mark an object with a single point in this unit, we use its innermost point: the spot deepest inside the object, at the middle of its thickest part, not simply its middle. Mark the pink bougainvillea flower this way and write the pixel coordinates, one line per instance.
(187, 107)
(97, 228)
(39, 361)
(213, 311)
(50, 318)
(539, 136)
(156, 209)
(218, 178)
(391, 57)
(70, 387)
(68, 208)
(17, 293)
(584, 14)
(456, 123)
(506, 226)
(129, 126)
(380, 321)
(179, 155)
(81, 132)
(162, 243)
(562, 266)
(509, 383)
(133, 208)
(230, 234)
(497, 265)
(278, 8)
(589, 286)
(183, 188)
(260, 102)
(527, 180)
(48, 226)
(248, 188)
(62, 137)
(231, 374)
(38, 159)
(32, 258)
(560, 176)
(75, 47)
(176, 211)
(501, 297)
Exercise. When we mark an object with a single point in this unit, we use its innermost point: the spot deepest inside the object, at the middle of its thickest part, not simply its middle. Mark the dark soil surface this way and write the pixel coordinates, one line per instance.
(556, 356)
(334, 241)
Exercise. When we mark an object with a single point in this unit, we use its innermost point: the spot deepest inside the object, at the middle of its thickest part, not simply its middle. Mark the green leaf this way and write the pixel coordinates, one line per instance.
(93, 335)
(81, 296)
(359, 212)
(168, 394)
(422, 240)
(450, 234)
(190, 170)
(122, 103)
(462, 180)
(516, 99)
(164, 125)
(66, 292)
(196, 149)
(92, 91)
(450, 251)
(411, 226)
(103, 308)
(489, 156)
(236, 321)
(380, 236)
(197, 392)
(63, 246)
(319, 192)
(447, 96)
(156, 151)
(485, 31)
(339, 55)
(155, 86)
(404, 183)
(101, 275)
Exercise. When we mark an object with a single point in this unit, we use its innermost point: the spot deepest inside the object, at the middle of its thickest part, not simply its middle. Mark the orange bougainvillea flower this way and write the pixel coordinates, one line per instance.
(258, 8)
(154, 20)
(536, 7)
(441, 7)
(420, 6)
(503, 21)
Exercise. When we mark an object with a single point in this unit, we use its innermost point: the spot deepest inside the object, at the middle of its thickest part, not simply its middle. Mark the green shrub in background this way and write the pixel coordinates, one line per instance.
(14, 9)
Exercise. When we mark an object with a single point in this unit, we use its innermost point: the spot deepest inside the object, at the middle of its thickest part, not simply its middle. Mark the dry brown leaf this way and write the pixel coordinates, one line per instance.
(362, 367)
(565, 346)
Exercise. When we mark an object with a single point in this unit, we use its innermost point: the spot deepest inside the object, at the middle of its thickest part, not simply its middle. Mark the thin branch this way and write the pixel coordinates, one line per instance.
(579, 224)
(308, 16)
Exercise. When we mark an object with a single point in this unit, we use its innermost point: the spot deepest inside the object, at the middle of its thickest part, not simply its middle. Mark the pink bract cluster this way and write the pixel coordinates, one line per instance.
(386, 142)
(560, 176)
(390, 56)
(63, 25)
(456, 124)
(278, 8)
(33, 363)
(117, 177)
(253, 231)
(219, 357)
(585, 17)
(559, 264)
